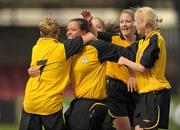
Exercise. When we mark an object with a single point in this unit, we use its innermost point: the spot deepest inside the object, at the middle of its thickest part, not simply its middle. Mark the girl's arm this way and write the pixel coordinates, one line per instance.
(33, 72)
(87, 15)
(132, 65)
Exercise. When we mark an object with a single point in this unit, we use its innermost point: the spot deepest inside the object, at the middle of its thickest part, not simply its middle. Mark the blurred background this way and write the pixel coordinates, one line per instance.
(19, 32)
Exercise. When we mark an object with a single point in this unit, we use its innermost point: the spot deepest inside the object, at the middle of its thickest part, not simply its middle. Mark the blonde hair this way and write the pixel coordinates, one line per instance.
(130, 11)
(48, 26)
(149, 15)
(101, 22)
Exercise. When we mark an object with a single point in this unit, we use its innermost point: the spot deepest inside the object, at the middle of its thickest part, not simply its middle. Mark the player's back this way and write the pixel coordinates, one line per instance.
(44, 92)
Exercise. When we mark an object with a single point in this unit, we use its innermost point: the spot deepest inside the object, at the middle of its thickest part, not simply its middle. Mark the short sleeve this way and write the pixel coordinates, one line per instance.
(133, 50)
(151, 53)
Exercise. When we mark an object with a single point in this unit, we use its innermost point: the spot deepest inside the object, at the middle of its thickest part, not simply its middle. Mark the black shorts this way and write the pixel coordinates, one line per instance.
(36, 122)
(84, 114)
(120, 102)
(152, 110)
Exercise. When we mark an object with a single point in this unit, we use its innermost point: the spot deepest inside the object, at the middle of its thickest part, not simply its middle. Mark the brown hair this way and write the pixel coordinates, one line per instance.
(101, 21)
(83, 24)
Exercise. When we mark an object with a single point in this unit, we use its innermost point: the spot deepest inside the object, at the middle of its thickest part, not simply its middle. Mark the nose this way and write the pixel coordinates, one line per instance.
(69, 32)
(124, 24)
(134, 24)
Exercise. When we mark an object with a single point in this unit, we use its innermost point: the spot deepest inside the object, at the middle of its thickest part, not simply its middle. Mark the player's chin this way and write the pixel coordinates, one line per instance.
(126, 33)
(70, 37)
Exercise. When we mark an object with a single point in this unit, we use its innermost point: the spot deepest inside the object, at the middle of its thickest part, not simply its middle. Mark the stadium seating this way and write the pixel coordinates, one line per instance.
(12, 81)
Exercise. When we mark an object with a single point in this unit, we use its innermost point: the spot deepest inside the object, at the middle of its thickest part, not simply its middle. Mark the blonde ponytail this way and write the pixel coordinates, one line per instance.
(149, 15)
(159, 19)
(48, 26)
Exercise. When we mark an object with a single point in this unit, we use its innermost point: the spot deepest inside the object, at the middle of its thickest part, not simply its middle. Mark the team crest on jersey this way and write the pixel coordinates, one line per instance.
(84, 60)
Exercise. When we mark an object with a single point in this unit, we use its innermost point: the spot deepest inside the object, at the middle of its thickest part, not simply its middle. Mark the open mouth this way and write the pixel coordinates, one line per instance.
(70, 37)
(125, 30)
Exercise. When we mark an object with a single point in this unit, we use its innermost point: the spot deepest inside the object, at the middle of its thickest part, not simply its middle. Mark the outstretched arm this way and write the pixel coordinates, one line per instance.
(87, 15)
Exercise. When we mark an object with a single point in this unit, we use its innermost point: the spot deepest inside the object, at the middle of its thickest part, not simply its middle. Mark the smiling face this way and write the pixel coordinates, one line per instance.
(126, 24)
(74, 30)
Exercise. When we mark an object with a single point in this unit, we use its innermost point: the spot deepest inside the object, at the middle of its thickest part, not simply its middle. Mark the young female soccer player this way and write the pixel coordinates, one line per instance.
(121, 98)
(88, 76)
(42, 106)
(152, 110)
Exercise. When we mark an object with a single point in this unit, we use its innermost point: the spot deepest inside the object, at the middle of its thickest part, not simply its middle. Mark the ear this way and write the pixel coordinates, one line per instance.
(145, 23)
(41, 34)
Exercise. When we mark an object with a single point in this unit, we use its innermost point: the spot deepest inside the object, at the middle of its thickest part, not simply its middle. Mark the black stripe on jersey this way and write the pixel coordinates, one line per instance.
(121, 36)
(73, 46)
(108, 51)
(106, 36)
(133, 50)
(151, 53)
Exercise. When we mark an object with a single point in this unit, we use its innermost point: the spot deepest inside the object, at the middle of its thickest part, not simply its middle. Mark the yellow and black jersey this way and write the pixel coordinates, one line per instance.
(151, 54)
(114, 70)
(44, 94)
(89, 68)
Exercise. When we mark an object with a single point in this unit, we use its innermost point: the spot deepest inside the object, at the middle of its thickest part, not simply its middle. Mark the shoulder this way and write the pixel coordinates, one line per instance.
(98, 44)
(157, 38)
